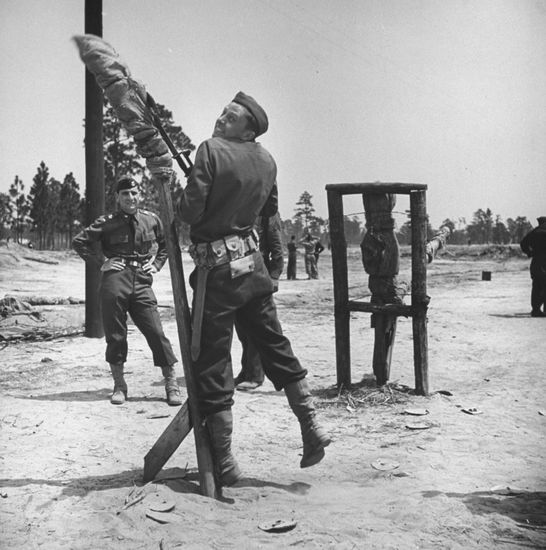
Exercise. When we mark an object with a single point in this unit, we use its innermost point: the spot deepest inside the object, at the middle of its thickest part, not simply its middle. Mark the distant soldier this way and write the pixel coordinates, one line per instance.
(292, 255)
(127, 261)
(534, 245)
(308, 243)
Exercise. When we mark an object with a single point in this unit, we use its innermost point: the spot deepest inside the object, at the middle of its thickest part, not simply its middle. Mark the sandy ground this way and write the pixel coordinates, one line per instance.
(69, 459)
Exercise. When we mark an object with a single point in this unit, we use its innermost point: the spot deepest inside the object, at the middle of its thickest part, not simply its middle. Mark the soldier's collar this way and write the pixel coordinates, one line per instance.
(130, 216)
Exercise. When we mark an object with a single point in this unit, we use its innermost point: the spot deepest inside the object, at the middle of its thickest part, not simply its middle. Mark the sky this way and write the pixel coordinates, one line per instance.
(449, 93)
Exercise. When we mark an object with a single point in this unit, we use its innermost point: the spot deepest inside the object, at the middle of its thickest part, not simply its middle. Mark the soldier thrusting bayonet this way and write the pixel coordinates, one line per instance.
(232, 182)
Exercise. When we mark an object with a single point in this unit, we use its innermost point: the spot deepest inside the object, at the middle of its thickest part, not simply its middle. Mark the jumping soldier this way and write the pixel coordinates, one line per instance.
(127, 263)
(534, 245)
(233, 182)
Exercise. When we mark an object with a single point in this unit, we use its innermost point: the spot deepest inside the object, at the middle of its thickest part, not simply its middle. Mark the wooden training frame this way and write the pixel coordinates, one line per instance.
(384, 314)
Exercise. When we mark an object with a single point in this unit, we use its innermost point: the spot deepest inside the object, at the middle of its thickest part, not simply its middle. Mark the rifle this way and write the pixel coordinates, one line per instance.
(181, 157)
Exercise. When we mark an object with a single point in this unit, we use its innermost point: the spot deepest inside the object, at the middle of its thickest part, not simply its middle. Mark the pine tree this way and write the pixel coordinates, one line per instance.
(304, 212)
(54, 213)
(5, 215)
(38, 201)
(71, 212)
(20, 208)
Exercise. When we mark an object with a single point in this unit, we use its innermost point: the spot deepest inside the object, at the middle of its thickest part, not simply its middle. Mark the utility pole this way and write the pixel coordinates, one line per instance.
(94, 172)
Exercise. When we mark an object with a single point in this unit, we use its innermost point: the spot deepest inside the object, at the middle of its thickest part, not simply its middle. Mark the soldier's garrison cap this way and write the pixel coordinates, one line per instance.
(257, 112)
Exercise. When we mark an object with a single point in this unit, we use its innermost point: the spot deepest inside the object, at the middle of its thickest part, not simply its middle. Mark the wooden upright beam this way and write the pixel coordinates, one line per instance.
(341, 288)
(385, 331)
(419, 298)
(94, 172)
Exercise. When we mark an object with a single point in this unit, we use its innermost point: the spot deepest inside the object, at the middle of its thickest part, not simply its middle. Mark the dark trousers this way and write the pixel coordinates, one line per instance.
(538, 293)
(291, 268)
(130, 291)
(251, 362)
(250, 299)
(311, 266)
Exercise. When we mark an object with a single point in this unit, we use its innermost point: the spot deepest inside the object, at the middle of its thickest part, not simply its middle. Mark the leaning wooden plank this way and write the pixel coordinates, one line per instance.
(171, 436)
(168, 442)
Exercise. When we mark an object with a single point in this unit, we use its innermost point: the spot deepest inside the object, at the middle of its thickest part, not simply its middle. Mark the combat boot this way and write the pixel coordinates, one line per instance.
(315, 439)
(171, 386)
(220, 426)
(119, 396)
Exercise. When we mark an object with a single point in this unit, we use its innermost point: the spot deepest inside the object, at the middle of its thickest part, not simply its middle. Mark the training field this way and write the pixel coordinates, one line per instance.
(390, 480)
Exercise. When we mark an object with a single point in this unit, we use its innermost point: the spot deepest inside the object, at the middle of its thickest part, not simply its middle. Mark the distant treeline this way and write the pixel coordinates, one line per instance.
(53, 211)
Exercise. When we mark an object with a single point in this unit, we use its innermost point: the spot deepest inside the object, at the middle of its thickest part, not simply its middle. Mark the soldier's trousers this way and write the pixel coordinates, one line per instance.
(129, 292)
(538, 293)
(250, 297)
(291, 269)
(251, 362)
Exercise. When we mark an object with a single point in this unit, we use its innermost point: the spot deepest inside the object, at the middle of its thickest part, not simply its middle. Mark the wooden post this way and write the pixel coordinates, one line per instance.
(94, 172)
(385, 331)
(341, 288)
(419, 298)
(180, 426)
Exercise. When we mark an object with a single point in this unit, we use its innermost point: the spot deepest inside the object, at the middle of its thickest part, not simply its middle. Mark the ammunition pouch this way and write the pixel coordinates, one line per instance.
(233, 249)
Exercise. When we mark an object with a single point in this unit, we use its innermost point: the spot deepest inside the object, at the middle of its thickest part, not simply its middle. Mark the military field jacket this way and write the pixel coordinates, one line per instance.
(231, 184)
(117, 238)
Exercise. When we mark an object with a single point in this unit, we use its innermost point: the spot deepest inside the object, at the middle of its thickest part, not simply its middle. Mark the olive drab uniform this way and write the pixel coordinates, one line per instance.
(135, 239)
(310, 258)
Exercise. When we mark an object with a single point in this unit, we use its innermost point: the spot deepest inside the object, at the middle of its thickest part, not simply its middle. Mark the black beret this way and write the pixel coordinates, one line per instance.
(126, 182)
(262, 124)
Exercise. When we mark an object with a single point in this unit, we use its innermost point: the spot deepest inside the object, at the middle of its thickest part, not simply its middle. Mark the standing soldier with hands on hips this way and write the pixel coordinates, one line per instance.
(233, 181)
(127, 261)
